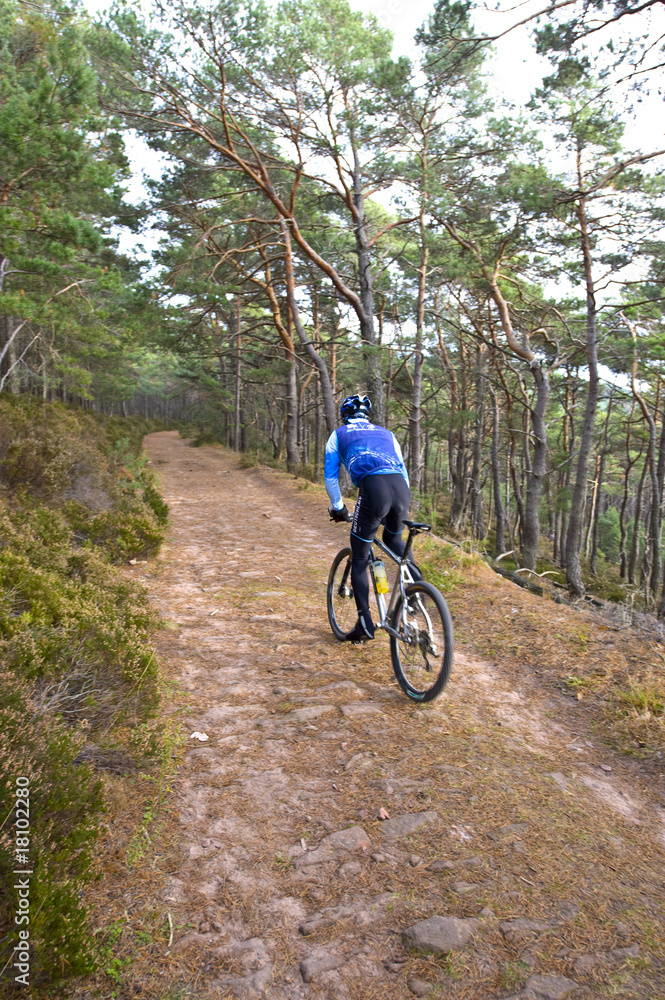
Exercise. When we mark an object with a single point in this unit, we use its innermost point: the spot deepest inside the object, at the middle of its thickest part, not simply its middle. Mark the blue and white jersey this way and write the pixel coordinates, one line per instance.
(365, 450)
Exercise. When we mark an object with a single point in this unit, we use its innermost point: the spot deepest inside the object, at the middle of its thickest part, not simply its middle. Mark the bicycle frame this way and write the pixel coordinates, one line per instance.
(403, 576)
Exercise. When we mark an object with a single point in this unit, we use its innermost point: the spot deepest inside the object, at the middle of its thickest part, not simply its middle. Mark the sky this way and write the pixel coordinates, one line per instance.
(516, 70)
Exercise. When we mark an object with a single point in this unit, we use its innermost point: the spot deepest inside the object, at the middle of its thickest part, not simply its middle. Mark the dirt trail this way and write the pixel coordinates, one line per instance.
(282, 882)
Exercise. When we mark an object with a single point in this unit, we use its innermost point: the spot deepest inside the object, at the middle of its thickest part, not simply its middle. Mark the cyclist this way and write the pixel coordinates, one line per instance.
(373, 458)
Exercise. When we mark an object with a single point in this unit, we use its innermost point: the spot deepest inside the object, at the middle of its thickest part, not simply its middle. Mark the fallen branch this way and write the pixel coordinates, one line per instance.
(547, 572)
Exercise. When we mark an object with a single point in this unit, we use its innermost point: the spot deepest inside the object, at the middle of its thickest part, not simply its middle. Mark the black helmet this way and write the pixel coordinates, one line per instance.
(355, 406)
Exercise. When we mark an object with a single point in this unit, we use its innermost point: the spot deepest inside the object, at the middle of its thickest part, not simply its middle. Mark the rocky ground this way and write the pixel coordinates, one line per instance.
(521, 856)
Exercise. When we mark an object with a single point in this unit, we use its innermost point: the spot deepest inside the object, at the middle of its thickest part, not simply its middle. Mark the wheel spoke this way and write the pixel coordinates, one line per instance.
(422, 655)
(341, 605)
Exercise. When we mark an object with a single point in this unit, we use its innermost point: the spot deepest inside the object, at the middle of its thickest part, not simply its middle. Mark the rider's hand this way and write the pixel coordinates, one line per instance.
(339, 515)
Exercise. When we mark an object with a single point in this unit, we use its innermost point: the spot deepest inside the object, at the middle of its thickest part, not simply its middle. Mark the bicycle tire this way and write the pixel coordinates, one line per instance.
(342, 612)
(423, 658)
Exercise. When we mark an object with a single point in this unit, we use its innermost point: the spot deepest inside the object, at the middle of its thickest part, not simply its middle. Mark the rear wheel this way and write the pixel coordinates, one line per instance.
(342, 612)
(423, 655)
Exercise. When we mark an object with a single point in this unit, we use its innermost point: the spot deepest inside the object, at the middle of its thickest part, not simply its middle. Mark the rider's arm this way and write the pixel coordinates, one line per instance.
(331, 472)
(398, 452)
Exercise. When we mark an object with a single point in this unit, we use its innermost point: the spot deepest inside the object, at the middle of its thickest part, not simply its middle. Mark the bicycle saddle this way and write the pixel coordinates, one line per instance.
(417, 526)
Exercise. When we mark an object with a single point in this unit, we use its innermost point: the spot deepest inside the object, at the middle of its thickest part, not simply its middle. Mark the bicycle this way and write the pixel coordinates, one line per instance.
(417, 618)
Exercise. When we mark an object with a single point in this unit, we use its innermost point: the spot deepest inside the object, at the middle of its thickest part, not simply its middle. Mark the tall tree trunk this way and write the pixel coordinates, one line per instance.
(592, 512)
(291, 427)
(320, 363)
(477, 521)
(652, 553)
(238, 369)
(623, 555)
(568, 444)
(536, 476)
(415, 415)
(575, 523)
(456, 435)
(499, 512)
(637, 518)
(365, 283)
(604, 451)
(318, 443)
(660, 477)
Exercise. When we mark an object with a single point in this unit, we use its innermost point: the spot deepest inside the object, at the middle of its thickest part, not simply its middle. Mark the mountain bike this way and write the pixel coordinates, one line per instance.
(417, 618)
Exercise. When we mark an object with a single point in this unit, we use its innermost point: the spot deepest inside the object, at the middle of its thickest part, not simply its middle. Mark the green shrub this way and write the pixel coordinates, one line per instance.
(129, 531)
(75, 645)
(157, 504)
(65, 805)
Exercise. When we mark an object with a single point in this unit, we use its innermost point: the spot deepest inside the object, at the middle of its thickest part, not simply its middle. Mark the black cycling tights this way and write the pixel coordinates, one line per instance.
(382, 499)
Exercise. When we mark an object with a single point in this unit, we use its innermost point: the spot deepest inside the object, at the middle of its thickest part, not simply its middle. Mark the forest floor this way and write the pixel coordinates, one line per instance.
(515, 817)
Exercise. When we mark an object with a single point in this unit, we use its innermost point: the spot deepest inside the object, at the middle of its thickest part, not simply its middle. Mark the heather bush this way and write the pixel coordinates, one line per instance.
(79, 671)
(65, 807)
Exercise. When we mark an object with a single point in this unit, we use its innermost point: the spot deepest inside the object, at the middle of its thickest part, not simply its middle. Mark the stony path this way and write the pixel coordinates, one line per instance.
(514, 862)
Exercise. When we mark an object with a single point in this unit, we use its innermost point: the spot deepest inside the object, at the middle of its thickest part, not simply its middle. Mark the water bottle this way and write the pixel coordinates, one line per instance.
(380, 577)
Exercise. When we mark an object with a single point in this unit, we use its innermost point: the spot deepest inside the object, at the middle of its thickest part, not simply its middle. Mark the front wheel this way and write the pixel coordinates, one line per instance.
(423, 655)
(342, 612)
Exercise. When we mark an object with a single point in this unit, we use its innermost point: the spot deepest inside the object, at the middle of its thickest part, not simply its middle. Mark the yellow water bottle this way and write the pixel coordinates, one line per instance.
(380, 577)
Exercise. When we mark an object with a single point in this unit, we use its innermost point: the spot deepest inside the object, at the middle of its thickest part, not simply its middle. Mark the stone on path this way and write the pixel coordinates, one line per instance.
(349, 687)
(247, 987)
(585, 963)
(361, 913)
(461, 888)
(250, 953)
(522, 929)
(311, 712)
(402, 826)
(360, 708)
(419, 987)
(441, 866)
(545, 987)
(621, 954)
(356, 762)
(319, 961)
(474, 862)
(439, 934)
(353, 839)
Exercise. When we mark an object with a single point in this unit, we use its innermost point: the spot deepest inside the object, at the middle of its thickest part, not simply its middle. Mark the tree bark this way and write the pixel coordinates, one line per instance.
(637, 517)
(477, 521)
(575, 522)
(499, 512)
(291, 428)
(415, 415)
(238, 368)
(535, 478)
(320, 363)
(604, 451)
(366, 314)
(623, 555)
(652, 553)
